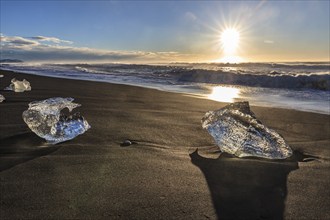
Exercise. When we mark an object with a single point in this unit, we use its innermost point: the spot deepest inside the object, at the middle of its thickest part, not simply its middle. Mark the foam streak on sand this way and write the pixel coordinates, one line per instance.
(161, 176)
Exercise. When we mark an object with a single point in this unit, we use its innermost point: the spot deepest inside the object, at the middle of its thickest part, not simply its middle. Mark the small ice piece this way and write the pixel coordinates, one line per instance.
(2, 98)
(237, 131)
(19, 86)
(46, 120)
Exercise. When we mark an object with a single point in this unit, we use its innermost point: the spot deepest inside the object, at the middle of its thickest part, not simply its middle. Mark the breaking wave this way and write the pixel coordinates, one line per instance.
(271, 80)
(312, 75)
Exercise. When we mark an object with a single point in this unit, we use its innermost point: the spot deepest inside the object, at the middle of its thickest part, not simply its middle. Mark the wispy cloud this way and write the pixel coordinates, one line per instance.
(38, 49)
(189, 16)
(268, 41)
(51, 39)
(17, 41)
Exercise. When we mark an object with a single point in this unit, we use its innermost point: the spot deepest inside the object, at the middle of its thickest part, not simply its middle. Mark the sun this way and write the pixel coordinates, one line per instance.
(230, 41)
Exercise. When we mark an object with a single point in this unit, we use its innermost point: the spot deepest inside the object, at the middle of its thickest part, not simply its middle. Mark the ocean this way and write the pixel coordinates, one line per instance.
(299, 85)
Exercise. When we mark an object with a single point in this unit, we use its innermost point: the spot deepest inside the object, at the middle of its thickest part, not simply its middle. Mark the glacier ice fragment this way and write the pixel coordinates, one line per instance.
(237, 131)
(19, 86)
(46, 120)
(2, 98)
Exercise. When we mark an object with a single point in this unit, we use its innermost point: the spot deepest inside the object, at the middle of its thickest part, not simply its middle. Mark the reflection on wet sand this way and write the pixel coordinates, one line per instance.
(224, 94)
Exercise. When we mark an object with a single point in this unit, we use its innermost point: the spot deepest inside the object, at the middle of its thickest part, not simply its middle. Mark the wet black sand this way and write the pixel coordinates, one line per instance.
(162, 176)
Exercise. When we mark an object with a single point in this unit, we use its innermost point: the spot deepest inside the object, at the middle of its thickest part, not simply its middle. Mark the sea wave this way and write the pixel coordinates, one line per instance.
(312, 75)
(270, 80)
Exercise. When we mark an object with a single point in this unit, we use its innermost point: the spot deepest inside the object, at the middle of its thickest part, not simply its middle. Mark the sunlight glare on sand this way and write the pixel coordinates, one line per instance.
(224, 94)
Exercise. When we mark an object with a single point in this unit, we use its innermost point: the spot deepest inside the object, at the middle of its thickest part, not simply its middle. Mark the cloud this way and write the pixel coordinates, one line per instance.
(268, 41)
(189, 16)
(16, 41)
(51, 39)
(38, 51)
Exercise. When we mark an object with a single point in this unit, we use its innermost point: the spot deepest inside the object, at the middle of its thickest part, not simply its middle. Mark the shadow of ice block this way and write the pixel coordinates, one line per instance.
(249, 188)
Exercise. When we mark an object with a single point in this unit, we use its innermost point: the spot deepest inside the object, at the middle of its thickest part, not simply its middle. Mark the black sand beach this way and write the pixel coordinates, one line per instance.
(174, 171)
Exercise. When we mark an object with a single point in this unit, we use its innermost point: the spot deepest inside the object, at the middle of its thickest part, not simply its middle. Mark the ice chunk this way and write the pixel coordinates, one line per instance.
(19, 86)
(46, 120)
(2, 98)
(237, 131)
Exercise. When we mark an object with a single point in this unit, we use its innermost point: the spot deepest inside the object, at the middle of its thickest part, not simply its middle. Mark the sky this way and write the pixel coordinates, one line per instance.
(163, 31)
